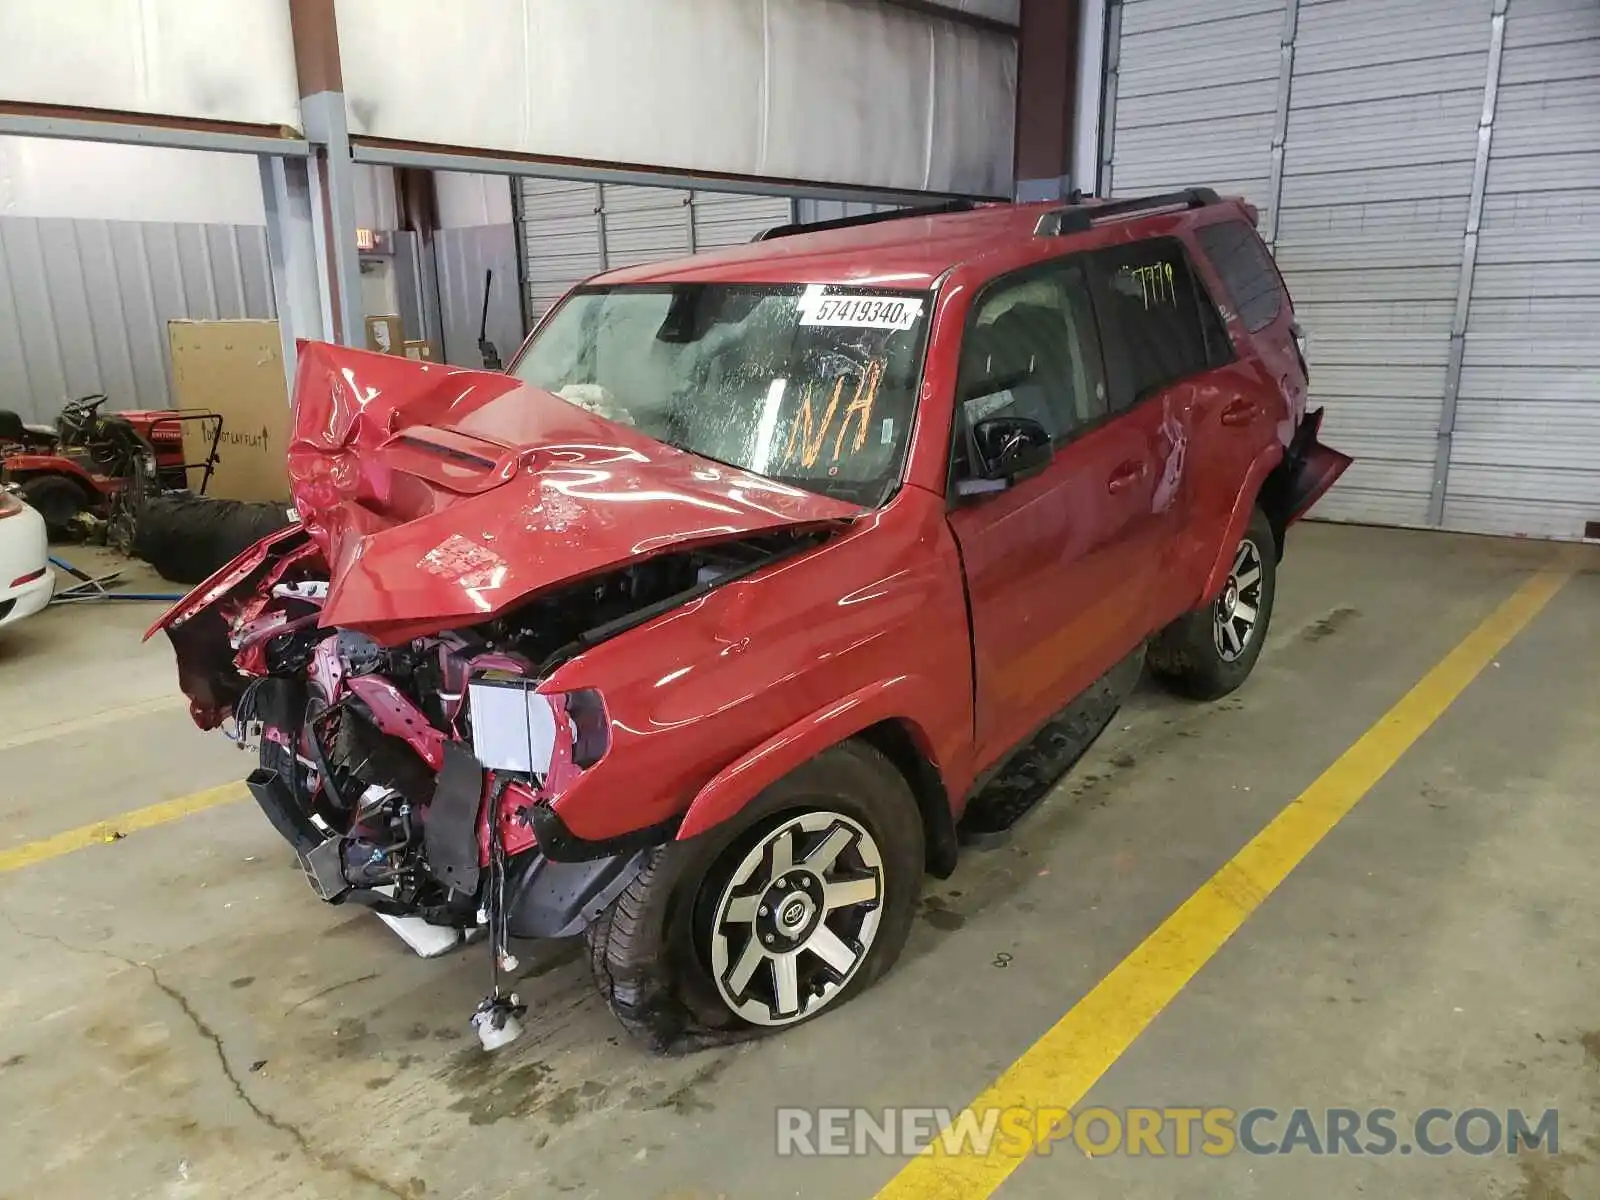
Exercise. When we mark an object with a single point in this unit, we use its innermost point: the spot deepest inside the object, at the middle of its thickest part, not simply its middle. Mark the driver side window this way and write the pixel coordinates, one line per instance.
(1031, 350)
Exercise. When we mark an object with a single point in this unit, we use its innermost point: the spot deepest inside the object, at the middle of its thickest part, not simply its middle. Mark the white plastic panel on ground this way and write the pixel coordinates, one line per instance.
(1378, 162)
(813, 90)
(570, 231)
(231, 61)
(1525, 454)
(1195, 95)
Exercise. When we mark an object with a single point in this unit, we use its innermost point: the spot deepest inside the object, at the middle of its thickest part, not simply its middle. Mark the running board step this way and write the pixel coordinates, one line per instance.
(1034, 768)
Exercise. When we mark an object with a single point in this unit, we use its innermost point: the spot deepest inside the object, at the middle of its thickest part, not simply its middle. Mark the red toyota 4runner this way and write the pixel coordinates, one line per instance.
(702, 629)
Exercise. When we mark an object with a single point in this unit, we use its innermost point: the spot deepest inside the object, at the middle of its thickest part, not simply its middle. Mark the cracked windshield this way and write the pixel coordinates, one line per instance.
(813, 386)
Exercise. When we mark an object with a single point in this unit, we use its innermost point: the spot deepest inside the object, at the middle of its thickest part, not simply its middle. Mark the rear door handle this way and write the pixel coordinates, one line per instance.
(1126, 475)
(1240, 412)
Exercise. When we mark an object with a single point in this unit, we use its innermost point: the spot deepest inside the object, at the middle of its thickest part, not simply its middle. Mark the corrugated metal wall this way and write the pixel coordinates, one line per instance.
(84, 304)
(1459, 366)
(573, 230)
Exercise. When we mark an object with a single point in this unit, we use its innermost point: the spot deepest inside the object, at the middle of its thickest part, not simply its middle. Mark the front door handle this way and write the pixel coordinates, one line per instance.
(1126, 475)
(1240, 412)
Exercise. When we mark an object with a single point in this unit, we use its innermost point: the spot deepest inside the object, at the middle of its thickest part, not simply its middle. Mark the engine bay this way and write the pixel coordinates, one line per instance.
(354, 736)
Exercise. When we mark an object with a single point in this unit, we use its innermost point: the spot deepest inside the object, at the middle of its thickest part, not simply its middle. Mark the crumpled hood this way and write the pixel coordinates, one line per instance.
(441, 496)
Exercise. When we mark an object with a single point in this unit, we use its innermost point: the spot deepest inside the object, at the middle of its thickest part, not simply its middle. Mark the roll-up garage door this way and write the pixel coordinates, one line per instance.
(1524, 451)
(570, 231)
(725, 219)
(1192, 89)
(1377, 172)
(1456, 362)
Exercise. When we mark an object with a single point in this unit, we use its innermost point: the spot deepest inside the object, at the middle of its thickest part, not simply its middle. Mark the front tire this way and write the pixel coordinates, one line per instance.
(768, 920)
(1208, 653)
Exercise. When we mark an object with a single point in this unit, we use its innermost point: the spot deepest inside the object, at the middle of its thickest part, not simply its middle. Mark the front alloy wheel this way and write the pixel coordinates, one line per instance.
(797, 918)
(1236, 612)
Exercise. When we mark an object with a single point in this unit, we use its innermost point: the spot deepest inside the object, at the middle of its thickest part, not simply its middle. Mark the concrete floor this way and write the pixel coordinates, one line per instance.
(179, 1017)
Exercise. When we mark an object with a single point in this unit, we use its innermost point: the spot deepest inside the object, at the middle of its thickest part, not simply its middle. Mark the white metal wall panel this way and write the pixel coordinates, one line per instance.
(722, 87)
(570, 231)
(1195, 93)
(1377, 173)
(1525, 448)
(224, 60)
(1007, 11)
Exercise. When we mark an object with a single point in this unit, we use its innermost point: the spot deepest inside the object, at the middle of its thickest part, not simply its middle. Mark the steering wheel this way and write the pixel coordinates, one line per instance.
(84, 406)
(78, 415)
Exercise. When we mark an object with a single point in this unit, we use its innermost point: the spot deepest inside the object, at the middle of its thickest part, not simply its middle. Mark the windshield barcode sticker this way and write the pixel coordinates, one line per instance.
(859, 312)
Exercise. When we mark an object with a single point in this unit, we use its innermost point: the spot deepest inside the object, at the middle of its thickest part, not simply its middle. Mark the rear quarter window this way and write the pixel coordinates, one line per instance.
(1159, 324)
(1247, 271)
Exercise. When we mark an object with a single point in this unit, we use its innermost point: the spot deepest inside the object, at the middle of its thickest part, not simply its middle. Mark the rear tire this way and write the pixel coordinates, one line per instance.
(669, 955)
(1207, 653)
(57, 499)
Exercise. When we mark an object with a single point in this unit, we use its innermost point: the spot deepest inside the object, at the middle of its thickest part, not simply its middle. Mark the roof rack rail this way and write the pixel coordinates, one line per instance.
(893, 214)
(1074, 219)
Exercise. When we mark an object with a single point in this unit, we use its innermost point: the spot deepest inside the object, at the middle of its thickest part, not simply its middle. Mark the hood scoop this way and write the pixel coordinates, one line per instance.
(466, 464)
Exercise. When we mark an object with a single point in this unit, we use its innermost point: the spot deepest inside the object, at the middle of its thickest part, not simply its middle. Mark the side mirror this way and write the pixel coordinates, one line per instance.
(1009, 449)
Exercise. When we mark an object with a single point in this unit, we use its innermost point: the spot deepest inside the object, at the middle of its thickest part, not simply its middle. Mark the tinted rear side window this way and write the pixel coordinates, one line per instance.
(1247, 272)
(1151, 309)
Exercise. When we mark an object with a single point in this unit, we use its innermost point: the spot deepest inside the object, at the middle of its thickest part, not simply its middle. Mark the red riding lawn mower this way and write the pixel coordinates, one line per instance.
(91, 473)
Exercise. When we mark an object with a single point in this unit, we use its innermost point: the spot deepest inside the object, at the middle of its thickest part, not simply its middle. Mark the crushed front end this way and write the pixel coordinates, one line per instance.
(417, 779)
(389, 658)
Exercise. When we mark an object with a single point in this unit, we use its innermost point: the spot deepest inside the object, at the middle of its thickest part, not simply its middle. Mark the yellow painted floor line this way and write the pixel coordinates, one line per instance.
(110, 716)
(1061, 1067)
(115, 828)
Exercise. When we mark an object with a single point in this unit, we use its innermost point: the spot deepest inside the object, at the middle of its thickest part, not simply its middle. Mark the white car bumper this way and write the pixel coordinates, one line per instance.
(26, 580)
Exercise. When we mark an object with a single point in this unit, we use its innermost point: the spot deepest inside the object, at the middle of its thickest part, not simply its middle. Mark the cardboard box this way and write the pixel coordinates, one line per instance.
(419, 349)
(235, 368)
(386, 335)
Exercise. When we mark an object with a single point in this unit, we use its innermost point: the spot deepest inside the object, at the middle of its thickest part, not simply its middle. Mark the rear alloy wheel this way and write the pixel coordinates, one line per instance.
(1209, 652)
(1237, 611)
(798, 917)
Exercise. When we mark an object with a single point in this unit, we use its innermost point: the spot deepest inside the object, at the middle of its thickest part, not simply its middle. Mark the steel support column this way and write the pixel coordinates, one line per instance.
(299, 289)
(1047, 84)
(324, 118)
(315, 31)
(1108, 107)
(1469, 263)
(1085, 160)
